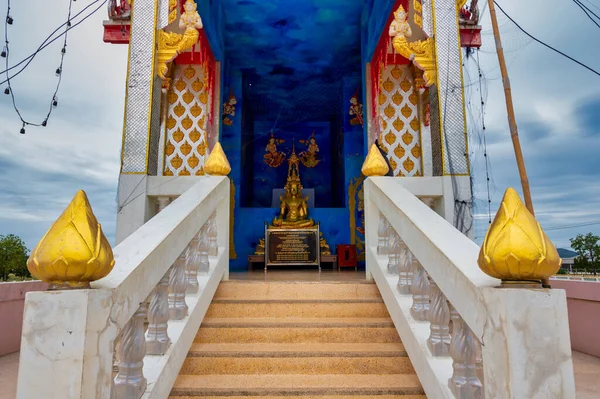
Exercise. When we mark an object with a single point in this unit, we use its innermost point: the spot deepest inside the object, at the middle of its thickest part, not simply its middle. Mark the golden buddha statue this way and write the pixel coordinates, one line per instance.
(294, 209)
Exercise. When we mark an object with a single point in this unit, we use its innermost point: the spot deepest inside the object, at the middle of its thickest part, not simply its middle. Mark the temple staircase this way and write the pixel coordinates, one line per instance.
(301, 339)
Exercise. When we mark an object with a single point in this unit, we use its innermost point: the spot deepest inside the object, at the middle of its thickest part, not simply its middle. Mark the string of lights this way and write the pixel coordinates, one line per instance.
(49, 40)
(543, 43)
(485, 154)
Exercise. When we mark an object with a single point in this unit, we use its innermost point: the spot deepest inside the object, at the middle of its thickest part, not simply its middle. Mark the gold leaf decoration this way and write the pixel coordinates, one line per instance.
(196, 110)
(185, 148)
(187, 123)
(390, 138)
(374, 164)
(217, 163)
(184, 172)
(398, 124)
(203, 97)
(179, 110)
(414, 124)
(399, 151)
(176, 162)
(193, 161)
(413, 98)
(172, 97)
(416, 151)
(189, 72)
(388, 85)
(169, 149)
(405, 85)
(202, 122)
(384, 124)
(389, 111)
(197, 85)
(202, 147)
(408, 165)
(397, 98)
(382, 98)
(200, 172)
(393, 164)
(171, 122)
(406, 111)
(195, 135)
(188, 97)
(74, 251)
(168, 173)
(180, 85)
(396, 72)
(407, 138)
(178, 135)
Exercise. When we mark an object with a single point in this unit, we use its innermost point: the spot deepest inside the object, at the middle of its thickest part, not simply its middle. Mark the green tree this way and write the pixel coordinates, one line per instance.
(588, 248)
(13, 256)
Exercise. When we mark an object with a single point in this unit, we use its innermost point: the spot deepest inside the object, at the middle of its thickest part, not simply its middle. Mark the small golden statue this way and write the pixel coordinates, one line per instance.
(400, 31)
(294, 209)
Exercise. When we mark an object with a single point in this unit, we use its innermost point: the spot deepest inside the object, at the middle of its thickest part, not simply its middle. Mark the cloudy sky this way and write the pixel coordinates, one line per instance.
(557, 105)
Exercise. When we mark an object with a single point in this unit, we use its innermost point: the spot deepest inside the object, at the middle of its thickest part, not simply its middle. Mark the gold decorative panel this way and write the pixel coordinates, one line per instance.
(399, 117)
(185, 147)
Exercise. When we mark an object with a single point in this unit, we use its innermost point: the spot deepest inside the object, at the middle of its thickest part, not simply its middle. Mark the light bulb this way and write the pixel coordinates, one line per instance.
(4, 52)
(55, 102)
(23, 130)
(58, 71)
(9, 20)
(64, 50)
(7, 91)
(45, 122)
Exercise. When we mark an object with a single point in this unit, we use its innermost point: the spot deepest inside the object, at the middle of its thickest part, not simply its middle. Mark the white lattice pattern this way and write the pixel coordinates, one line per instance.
(186, 148)
(399, 118)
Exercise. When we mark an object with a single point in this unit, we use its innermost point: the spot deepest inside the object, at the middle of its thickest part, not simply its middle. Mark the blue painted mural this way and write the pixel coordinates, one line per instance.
(294, 68)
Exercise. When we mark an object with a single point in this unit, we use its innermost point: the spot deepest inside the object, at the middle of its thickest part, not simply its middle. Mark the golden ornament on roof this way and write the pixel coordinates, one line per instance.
(74, 251)
(515, 248)
(374, 164)
(217, 163)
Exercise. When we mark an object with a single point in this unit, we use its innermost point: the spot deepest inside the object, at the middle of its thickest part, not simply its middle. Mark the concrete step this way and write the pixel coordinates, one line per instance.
(296, 290)
(304, 397)
(297, 330)
(204, 359)
(296, 384)
(236, 308)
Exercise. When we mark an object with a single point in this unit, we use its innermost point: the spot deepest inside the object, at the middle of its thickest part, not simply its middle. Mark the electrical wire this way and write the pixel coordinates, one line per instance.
(572, 226)
(585, 10)
(544, 44)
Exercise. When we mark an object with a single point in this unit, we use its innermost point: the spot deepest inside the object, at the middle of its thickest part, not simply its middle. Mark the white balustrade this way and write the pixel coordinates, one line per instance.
(393, 251)
(69, 336)
(178, 309)
(192, 265)
(212, 236)
(130, 381)
(383, 232)
(157, 337)
(448, 356)
(203, 250)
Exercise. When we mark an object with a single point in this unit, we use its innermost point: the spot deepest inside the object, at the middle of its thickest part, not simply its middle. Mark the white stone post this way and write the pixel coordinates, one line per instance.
(393, 251)
(404, 268)
(464, 383)
(157, 338)
(130, 382)
(204, 246)
(383, 234)
(420, 288)
(212, 235)
(163, 202)
(439, 318)
(192, 264)
(178, 309)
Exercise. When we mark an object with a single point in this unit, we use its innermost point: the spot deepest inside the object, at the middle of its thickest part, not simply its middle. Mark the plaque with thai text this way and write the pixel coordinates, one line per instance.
(290, 247)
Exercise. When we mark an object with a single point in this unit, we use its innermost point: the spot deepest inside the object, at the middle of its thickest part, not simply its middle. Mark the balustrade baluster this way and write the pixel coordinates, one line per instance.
(420, 291)
(383, 233)
(157, 338)
(212, 235)
(130, 382)
(464, 383)
(393, 250)
(404, 267)
(177, 285)
(163, 202)
(204, 246)
(192, 265)
(439, 318)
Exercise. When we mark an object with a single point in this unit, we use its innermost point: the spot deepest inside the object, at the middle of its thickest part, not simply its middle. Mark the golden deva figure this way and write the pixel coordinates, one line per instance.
(294, 209)
(400, 31)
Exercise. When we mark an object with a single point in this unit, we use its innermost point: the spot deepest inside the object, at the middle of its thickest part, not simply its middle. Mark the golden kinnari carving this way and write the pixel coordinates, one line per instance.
(374, 164)
(217, 163)
(420, 52)
(515, 248)
(171, 44)
(74, 251)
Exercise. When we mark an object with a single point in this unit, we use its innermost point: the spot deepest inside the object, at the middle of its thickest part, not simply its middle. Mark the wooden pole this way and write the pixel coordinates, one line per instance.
(512, 123)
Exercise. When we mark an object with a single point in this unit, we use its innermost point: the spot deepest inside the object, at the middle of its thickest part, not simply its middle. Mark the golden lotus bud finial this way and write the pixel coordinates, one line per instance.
(217, 163)
(74, 251)
(374, 164)
(515, 248)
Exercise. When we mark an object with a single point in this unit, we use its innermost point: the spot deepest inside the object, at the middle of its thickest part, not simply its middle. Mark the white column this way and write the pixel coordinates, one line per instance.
(464, 382)
(420, 288)
(439, 318)
(178, 309)
(192, 265)
(130, 381)
(157, 338)
(405, 274)
(383, 234)
(203, 247)
(393, 251)
(212, 235)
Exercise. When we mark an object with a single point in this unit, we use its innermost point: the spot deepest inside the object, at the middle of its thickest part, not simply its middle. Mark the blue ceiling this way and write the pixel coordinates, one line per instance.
(298, 52)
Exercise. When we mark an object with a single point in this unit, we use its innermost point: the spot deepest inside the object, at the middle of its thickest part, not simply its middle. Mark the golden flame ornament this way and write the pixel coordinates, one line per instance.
(74, 251)
(374, 164)
(217, 163)
(515, 248)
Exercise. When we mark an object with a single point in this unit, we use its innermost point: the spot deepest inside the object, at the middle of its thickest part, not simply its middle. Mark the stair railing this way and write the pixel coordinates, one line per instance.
(166, 273)
(465, 337)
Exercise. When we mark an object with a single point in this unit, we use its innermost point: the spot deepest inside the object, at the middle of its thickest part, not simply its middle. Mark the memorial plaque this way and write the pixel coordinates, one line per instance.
(287, 247)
